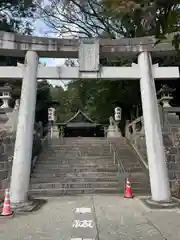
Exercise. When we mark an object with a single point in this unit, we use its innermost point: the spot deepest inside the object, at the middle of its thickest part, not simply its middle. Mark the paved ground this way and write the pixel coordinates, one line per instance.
(116, 219)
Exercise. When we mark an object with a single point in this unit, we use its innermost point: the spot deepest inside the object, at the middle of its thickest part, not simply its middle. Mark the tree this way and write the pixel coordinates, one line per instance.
(59, 97)
(113, 18)
(15, 17)
(43, 102)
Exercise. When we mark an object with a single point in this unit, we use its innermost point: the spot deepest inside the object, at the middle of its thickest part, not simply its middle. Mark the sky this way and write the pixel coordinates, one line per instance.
(40, 30)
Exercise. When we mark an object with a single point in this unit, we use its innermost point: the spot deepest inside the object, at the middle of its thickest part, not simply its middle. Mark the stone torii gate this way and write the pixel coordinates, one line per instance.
(89, 52)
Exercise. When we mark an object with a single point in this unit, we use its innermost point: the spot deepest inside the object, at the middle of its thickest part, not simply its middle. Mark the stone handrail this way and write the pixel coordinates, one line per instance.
(135, 134)
(133, 127)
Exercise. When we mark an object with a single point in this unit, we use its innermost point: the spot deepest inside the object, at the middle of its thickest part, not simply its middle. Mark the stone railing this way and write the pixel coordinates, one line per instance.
(170, 122)
(134, 132)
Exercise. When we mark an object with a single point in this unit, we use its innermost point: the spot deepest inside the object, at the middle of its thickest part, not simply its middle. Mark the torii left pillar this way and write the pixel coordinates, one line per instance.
(24, 136)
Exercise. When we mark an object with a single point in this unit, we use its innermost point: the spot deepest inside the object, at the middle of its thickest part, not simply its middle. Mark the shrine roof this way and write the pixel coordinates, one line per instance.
(80, 119)
(79, 116)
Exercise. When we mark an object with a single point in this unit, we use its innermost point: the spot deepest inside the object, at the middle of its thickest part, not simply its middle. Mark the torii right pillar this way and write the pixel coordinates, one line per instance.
(158, 172)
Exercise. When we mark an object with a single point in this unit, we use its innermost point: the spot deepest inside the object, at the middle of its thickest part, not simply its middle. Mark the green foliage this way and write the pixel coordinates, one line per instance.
(96, 98)
(15, 16)
(44, 101)
(113, 18)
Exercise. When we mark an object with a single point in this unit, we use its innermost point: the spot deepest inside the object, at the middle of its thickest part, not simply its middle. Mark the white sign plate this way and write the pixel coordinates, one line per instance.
(83, 210)
(83, 224)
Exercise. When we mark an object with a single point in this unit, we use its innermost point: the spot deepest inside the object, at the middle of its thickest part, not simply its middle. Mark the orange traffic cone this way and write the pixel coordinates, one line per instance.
(6, 211)
(128, 190)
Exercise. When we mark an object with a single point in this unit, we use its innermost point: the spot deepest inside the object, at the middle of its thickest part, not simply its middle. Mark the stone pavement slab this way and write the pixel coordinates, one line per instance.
(52, 221)
(168, 223)
(122, 219)
(116, 218)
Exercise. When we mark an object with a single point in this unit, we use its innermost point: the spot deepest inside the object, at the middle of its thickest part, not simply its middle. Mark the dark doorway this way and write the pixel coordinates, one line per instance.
(83, 132)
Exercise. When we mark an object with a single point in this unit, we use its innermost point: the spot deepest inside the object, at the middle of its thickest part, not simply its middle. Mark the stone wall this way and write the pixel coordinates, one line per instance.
(7, 141)
(6, 154)
(171, 136)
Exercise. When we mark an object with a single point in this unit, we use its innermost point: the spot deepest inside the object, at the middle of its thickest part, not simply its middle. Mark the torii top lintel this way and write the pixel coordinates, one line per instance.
(12, 44)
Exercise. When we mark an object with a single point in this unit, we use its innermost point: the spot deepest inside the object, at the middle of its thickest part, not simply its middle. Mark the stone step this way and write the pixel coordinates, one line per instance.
(77, 144)
(83, 147)
(84, 169)
(73, 165)
(92, 152)
(62, 192)
(74, 179)
(133, 170)
(67, 184)
(77, 162)
(128, 160)
(90, 182)
(79, 191)
(106, 167)
(62, 174)
(135, 184)
(73, 161)
(75, 156)
(142, 179)
(80, 146)
(79, 169)
(83, 184)
(71, 153)
(130, 164)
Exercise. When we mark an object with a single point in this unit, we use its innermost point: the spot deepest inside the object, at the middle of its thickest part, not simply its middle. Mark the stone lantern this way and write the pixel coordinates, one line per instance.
(117, 114)
(113, 130)
(51, 115)
(165, 94)
(6, 96)
(54, 131)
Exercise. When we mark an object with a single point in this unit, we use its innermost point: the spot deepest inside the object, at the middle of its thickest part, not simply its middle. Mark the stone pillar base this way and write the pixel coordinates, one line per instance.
(113, 132)
(29, 206)
(114, 135)
(148, 202)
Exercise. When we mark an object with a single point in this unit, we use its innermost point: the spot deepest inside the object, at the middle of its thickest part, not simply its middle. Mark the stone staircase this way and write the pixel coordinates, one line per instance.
(73, 166)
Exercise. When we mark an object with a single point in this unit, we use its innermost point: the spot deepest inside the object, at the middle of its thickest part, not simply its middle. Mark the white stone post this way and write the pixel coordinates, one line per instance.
(25, 128)
(155, 149)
